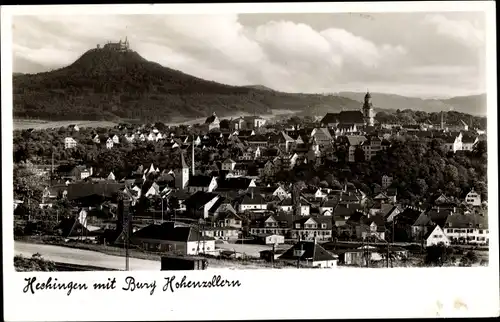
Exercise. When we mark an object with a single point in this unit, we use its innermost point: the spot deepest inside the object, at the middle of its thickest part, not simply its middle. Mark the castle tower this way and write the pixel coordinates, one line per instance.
(182, 178)
(368, 114)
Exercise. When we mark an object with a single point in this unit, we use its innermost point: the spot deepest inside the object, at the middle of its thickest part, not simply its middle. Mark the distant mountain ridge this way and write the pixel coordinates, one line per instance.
(473, 104)
(112, 85)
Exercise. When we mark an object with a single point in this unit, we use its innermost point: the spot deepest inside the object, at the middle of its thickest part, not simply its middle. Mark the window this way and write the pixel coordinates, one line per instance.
(323, 226)
(193, 249)
(480, 231)
(208, 248)
(297, 226)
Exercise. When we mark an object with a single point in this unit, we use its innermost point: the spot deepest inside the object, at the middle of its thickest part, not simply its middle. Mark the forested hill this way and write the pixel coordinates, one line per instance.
(108, 85)
(473, 104)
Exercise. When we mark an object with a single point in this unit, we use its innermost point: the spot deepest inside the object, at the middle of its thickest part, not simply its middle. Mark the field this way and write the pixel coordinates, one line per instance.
(21, 124)
(187, 121)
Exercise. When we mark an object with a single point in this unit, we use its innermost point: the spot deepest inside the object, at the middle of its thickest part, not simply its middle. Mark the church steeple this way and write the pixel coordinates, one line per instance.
(182, 175)
(368, 113)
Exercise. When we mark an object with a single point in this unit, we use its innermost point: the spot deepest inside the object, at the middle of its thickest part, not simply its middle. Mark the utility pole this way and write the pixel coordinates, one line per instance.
(272, 256)
(192, 157)
(388, 254)
(161, 208)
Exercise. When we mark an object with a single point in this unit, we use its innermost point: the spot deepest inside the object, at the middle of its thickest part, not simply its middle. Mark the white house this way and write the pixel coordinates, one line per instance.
(109, 143)
(473, 198)
(74, 127)
(453, 143)
(111, 176)
(201, 183)
(436, 236)
(310, 254)
(469, 229)
(130, 137)
(228, 165)
(253, 202)
(116, 139)
(386, 181)
(151, 137)
(172, 238)
(212, 122)
(69, 143)
(200, 203)
(355, 141)
(154, 190)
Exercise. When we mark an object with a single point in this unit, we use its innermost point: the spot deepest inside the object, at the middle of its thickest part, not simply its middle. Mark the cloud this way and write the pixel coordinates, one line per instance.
(282, 54)
(461, 30)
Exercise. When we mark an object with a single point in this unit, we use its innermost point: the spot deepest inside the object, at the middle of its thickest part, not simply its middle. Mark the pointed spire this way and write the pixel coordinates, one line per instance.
(183, 161)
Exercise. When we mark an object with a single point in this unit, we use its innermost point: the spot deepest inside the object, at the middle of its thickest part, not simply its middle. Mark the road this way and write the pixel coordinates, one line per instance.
(84, 257)
(250, 250)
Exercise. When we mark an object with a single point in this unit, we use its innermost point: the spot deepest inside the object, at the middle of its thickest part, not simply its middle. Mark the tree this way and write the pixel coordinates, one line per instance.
(472, 256)
(437, 255)
(359, 155)
(28, 186)
(323, 184)
(224, 124)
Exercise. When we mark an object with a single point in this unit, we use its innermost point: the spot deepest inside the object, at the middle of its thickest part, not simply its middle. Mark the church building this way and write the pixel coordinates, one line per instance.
(355, 119)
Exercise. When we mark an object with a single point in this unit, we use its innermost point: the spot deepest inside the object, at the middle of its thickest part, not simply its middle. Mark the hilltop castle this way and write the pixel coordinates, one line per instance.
(117, 46)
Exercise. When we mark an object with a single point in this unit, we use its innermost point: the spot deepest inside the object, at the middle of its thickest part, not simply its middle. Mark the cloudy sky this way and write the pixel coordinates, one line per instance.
(416, 54)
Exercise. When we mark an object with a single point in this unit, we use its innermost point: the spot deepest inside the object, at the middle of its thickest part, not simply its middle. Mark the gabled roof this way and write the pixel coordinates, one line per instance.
(356, 139)
(322, 134)
(467, 221)
(351, 117)
(409, 215)
(439, 217)
(330, 118)
(169, 231)
(200, 199)
(211, 119)
(256, 200)
(346, 210)
(234, 183)
(199, 181)
(258, 138)
(312, 251)
(229, 160)
(106, 189)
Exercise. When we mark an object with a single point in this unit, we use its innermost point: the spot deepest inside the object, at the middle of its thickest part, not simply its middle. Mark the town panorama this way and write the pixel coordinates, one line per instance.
(347, 188)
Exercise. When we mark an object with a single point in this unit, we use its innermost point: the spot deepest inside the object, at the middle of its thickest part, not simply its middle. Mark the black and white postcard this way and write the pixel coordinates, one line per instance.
(189, 161)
